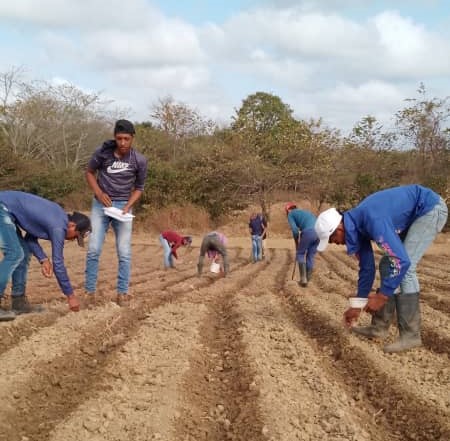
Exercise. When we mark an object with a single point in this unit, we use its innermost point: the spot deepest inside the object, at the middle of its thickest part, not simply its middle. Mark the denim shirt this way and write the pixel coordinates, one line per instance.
(40, 218)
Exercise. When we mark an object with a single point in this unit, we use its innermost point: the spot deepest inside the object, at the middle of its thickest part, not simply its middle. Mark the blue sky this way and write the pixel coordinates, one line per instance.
(329, 59)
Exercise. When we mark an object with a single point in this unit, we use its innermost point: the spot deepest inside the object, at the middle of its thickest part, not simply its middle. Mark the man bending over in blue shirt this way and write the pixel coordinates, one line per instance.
(25, 218)
(403, 222)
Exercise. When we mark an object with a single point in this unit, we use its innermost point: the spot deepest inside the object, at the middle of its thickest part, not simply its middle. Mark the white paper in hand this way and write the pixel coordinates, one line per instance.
(116, 213)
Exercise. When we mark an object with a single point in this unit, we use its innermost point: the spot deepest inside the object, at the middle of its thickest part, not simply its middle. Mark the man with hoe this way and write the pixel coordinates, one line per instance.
(302, 226)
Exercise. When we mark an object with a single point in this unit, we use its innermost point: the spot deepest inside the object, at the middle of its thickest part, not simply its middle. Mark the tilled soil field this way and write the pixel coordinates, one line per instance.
(248, 357)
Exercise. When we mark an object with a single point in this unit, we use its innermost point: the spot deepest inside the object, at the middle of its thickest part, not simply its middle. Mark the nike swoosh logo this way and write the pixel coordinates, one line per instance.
(115, 170)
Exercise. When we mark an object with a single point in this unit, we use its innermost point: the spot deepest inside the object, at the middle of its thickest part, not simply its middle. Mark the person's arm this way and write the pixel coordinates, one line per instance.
(294, 227)
(175, 245)
(135, 195)
(366, 277)
(57, 239)
(141, 176)
(367, 271)
(99, 194)
(35, 248)
(383, 233)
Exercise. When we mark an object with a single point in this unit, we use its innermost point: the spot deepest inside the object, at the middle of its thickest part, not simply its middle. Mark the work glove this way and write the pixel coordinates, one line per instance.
(375, 302)
(74, 304)
(351, 316)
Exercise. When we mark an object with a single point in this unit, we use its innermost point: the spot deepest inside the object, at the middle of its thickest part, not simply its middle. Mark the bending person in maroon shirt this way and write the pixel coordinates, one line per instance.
(171, 241)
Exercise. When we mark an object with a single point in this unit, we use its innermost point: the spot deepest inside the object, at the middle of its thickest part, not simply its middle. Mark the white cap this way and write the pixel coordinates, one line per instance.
(326, 224)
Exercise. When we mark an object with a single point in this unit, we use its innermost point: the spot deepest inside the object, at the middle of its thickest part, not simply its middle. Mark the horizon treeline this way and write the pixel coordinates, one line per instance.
(48, 133)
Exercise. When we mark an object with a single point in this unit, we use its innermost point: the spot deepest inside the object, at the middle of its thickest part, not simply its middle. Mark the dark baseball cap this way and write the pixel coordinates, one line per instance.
(83, 225)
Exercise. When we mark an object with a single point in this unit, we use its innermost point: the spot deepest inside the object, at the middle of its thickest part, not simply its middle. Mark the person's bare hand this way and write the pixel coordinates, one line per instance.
(47, 268)
(104, 199)
(74, 304)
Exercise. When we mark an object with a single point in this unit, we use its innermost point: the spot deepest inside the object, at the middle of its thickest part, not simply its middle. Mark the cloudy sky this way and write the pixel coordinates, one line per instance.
(338, 60)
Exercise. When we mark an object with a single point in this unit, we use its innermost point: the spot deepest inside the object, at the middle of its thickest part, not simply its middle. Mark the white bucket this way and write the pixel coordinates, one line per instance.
(357, 302)
(215, 267)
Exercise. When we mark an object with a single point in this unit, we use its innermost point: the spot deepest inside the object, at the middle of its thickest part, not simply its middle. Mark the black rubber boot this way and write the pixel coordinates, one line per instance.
(408, 320)
(21, 305)
(381, 321)
(303, 279)
(309, 272)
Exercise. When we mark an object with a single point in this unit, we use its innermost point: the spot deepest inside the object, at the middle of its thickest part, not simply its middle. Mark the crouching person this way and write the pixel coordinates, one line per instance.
(171, 241)
(25, 218)
(213, 244)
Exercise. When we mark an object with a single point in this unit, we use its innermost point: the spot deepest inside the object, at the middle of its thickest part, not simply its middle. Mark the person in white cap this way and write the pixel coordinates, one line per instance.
(403, 222)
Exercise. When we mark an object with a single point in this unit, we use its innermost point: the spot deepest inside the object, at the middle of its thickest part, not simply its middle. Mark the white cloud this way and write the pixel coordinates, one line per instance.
(344, 105)
(169, 43)
(82, 14)
(387, 46)
(162, 79)
(409, 49)
(322, 60)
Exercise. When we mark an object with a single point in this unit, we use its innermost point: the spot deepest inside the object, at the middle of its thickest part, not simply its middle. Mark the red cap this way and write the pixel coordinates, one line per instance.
(290, 206)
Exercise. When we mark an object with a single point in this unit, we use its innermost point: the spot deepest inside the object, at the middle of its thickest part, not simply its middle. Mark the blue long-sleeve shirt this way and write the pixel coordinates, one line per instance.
(40, 218)
(383, 217)
(300, 220)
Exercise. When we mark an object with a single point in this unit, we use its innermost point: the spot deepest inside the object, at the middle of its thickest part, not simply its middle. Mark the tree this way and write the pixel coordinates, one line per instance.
(368, 134)
(262, 113)
(180, 122)
(56, 124)
(424, 124)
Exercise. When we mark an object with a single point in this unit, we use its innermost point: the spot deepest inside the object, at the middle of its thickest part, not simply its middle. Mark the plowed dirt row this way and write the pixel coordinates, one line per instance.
(432, 317)
(248, 357)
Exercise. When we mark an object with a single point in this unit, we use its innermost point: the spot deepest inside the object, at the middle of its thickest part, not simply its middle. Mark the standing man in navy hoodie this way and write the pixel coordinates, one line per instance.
(116, 174)
(403, 222)
(25, 218)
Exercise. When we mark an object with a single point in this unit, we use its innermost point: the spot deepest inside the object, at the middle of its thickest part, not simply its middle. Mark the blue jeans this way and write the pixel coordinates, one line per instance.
(168, 257)
(122, 230)
(420, 235)
(16, 255)
(307, 248)
(256, 247)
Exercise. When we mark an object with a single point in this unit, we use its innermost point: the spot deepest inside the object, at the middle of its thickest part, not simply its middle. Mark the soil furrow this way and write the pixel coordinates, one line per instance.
(432, 338)
(401, 412)
(219, 404)
(57, 388)
(142, 401)
(436, 302)
(290, 375)
(12, 333)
